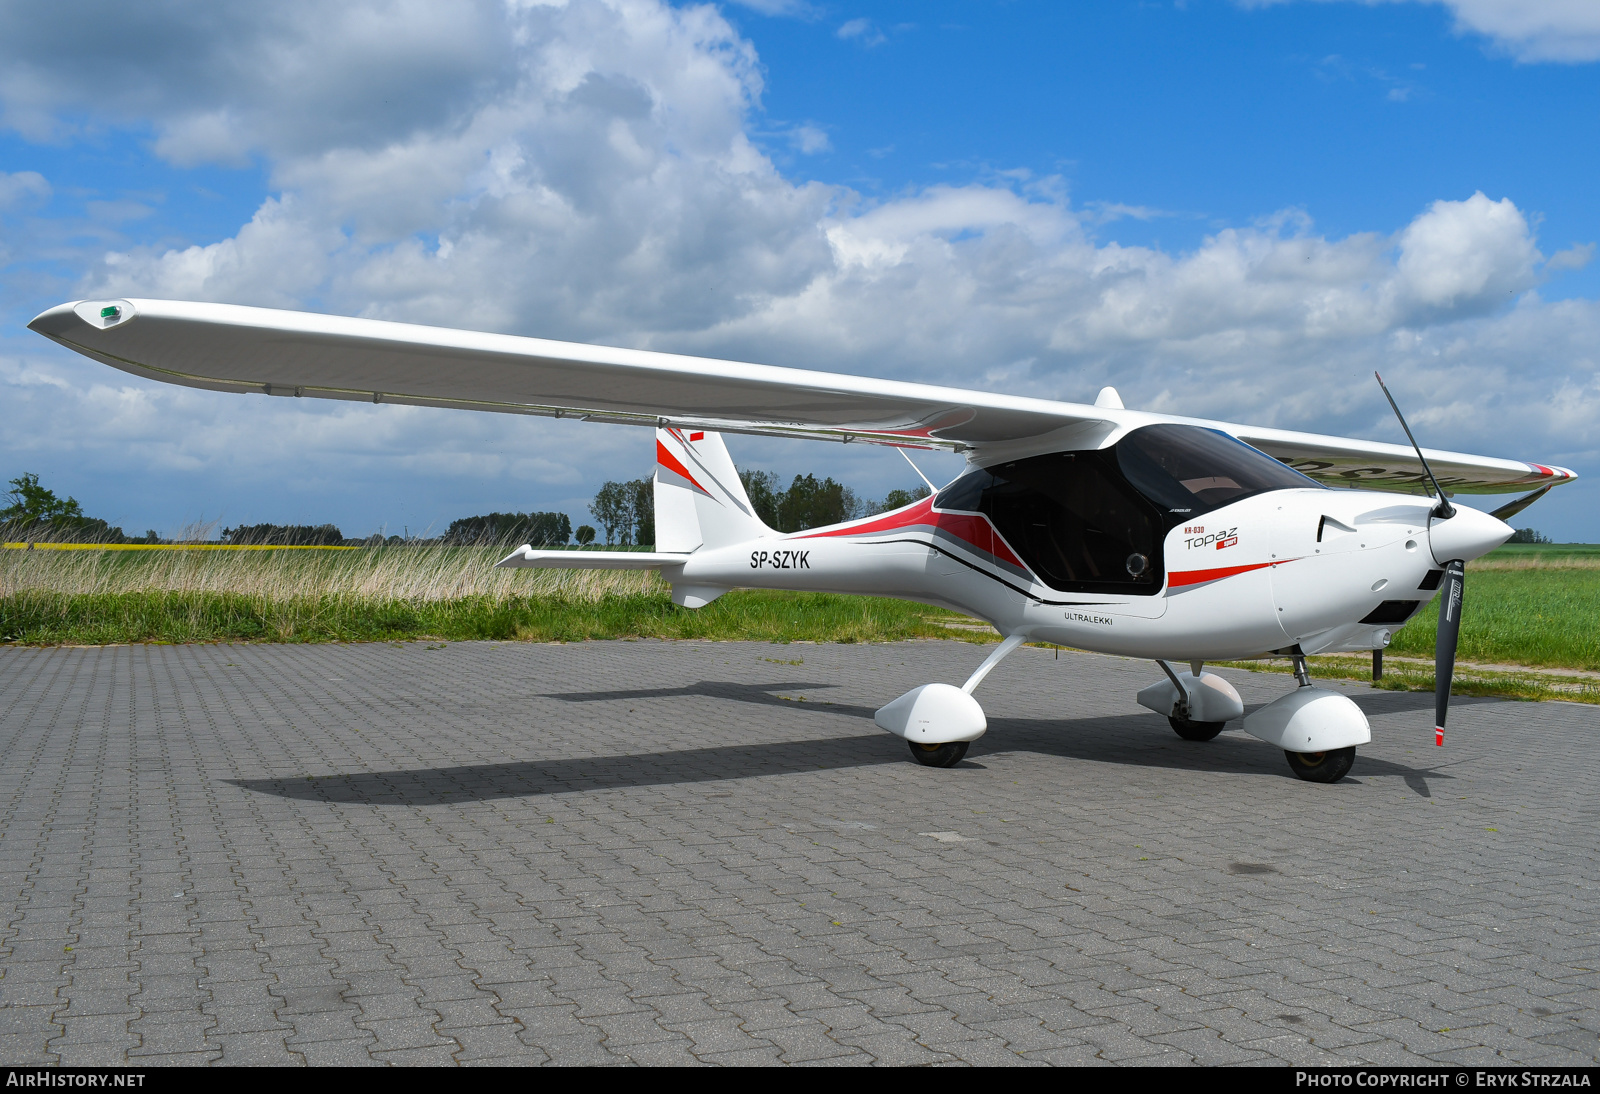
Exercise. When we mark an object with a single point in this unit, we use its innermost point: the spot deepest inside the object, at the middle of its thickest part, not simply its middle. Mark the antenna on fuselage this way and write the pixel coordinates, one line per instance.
(918, 470)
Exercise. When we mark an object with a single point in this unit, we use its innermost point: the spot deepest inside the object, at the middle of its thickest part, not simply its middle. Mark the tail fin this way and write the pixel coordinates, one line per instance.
(700, 501)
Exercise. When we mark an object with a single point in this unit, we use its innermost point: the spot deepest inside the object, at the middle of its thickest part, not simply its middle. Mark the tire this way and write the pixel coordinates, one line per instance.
(946, 755)
(1322, 767)
(1196, 731)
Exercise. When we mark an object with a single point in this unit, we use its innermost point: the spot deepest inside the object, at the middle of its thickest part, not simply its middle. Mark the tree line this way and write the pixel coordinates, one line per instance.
(626, 513)
(37, 513)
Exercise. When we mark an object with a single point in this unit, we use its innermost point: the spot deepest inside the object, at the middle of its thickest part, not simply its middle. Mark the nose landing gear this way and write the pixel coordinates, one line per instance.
(945, 755)
(1322, 767)
(1197, 703)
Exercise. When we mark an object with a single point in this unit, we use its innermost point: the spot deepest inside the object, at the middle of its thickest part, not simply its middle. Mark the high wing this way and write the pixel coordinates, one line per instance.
(226, 347)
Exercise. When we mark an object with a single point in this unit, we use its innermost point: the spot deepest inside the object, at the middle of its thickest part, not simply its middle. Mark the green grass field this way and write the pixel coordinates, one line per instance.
(42, 618)
(1535, 617)
(385, 594)
(1527, 605)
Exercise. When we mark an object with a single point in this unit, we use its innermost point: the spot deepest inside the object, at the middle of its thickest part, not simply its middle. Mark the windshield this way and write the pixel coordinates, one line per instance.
(1187, 470)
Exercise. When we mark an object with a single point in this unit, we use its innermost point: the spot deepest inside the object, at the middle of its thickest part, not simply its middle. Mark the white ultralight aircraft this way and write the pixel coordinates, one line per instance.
(1098, 527)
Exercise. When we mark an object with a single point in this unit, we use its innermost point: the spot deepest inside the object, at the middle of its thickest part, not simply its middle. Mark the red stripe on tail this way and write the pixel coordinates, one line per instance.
(666, 459)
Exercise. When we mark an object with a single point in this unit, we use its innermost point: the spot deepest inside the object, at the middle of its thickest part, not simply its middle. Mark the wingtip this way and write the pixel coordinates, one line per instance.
(57, 320)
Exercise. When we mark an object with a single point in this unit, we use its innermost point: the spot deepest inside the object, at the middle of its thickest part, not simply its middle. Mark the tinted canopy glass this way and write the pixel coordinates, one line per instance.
(1071, 518)
(1186, 470)
(1094, 521)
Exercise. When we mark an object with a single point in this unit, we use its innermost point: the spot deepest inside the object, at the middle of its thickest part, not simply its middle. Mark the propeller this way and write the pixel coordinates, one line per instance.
(1455, 584)
(1444, 650)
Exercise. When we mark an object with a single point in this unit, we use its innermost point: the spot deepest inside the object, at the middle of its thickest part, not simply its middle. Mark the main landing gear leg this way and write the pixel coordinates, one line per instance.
(950, 753)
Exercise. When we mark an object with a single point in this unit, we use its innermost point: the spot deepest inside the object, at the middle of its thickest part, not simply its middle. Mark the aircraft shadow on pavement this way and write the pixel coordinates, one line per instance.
(1400, 702)
(1143, 740)
(534, 778)
(1139, 740)
(759, 694)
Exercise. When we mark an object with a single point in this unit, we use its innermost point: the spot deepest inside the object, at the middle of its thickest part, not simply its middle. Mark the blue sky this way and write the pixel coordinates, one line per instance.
(1210, 113)
(1234, 210)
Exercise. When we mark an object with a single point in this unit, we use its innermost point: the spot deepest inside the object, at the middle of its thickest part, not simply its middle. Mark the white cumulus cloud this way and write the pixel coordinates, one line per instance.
(1530, 30)
(22, 188)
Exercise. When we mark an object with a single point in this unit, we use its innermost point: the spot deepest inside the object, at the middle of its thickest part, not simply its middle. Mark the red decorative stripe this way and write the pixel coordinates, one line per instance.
(671, 463)
(1197, 577)
(971, 528)
(920, 513)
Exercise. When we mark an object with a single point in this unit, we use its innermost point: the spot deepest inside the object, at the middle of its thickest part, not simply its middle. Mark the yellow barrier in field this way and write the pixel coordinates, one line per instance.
(165, 547)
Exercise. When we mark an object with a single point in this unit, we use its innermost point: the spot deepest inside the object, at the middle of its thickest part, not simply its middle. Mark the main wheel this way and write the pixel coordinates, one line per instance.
(946, 755)
(1322, 767)
(1196, 731)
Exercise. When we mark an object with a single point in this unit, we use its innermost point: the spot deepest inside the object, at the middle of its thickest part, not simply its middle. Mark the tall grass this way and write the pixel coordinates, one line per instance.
(401, 592)
(410, 573)
(1534, 608)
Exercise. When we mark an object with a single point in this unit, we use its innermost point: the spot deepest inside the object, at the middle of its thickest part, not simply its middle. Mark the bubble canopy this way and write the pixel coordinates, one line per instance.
(1094, 521)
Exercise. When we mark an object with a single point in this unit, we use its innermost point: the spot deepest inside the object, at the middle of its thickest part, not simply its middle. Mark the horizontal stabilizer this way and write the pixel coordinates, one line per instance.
(590, 560)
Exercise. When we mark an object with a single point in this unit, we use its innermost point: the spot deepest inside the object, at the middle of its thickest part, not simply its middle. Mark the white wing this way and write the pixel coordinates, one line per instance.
(224, 347)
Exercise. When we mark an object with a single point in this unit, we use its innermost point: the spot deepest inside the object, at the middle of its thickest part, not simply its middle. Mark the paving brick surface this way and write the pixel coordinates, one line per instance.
(648, 852)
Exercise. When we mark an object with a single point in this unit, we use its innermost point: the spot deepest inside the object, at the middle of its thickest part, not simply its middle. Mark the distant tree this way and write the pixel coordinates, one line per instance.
(39, 514)
(810, 503)
(284, 535)
(151, 536)
(1527, 535)
(762, 489)
(538, 529)
(899, 499)
(34, 504)
(642, 493)
(584, 535)
(613, 508)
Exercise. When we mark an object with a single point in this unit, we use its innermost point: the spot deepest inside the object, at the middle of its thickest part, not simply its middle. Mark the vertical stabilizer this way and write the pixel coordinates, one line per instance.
(700, 501)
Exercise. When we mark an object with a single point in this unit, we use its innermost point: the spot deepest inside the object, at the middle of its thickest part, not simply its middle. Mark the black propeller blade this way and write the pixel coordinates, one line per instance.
(1444, 510)
(1455, 583)
(1444, 650)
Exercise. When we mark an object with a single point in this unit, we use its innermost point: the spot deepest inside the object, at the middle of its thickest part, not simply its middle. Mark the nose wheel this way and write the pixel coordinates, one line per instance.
(1322, 767)
(945, 755)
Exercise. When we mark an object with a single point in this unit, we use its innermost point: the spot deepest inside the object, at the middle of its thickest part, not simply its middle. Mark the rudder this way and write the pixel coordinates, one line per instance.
(699, 499)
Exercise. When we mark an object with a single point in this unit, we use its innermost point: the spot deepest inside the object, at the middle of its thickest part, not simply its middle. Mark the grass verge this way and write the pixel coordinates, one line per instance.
(1537, 607)
(46, 618)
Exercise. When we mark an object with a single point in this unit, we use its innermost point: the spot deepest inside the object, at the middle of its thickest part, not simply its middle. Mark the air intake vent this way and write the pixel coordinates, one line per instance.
(1431, 582)
(1392, 611)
